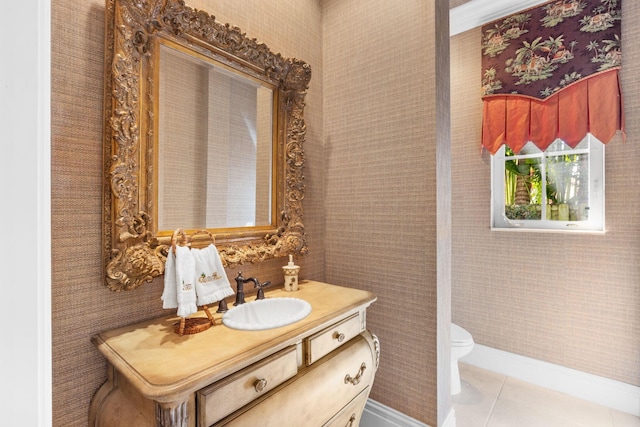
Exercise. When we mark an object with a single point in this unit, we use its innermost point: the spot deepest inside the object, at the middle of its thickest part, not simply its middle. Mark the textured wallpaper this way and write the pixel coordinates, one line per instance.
(568, 299)
(82, 305)
(381, 214)
(370, 205)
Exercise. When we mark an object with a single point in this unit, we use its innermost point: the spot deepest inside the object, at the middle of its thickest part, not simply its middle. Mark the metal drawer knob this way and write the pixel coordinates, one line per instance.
(339, 336)
(260, 385)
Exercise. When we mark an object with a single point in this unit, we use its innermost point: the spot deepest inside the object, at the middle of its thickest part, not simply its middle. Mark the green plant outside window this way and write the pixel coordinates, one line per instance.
(554, 189)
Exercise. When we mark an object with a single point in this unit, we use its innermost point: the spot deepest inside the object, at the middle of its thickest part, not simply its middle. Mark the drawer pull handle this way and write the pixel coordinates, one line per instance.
(260, 385)
(339, 336)
(351, 421)
(356, 380)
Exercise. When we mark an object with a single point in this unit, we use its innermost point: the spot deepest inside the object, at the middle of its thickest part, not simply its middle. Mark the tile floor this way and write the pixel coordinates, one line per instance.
(489, 399)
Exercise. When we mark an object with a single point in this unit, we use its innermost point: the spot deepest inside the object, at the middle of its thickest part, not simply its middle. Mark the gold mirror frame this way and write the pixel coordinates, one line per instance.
(134, 250)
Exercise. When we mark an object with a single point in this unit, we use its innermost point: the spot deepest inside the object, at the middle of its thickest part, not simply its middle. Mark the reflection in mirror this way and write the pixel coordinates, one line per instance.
(215, 142)
(204, 129)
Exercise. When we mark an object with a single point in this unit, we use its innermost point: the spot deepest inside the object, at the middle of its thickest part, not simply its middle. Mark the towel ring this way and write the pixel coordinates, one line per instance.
(174, 238)
(206, 232)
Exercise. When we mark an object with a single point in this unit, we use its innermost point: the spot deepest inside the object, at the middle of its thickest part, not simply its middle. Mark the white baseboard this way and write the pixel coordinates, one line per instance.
(604, 391)
(376, 414)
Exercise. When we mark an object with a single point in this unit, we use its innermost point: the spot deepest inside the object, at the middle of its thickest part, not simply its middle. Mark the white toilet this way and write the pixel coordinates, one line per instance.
(461, 345)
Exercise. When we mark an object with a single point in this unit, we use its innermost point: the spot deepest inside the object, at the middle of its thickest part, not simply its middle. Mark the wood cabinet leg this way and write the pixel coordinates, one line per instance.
(172, 414)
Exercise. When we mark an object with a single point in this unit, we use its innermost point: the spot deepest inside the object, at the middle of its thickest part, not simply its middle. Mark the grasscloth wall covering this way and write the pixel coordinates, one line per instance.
(380, 194)
(572, 300)
(82, 305)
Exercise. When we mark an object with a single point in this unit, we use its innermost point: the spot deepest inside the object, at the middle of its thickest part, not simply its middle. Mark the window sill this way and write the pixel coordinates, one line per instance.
(548, 230)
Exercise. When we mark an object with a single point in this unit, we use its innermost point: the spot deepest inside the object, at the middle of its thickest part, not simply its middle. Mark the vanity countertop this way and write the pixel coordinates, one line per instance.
(163, 365)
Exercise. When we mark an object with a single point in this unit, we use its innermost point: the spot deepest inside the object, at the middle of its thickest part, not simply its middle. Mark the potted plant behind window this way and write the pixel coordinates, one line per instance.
(522, 189)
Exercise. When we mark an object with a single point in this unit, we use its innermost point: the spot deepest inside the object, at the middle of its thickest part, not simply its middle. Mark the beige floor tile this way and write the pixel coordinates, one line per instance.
(489, 399)
(487, 382)
(510, 413)
(480, 389)
(622, 419)
(556, 405)
(471, 417)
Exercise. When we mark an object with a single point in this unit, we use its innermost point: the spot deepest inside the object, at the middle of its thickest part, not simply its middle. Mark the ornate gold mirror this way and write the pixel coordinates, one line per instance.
(203, 132)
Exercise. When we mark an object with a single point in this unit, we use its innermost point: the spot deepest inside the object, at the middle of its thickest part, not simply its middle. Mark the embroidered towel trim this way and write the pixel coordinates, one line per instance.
(211, 280)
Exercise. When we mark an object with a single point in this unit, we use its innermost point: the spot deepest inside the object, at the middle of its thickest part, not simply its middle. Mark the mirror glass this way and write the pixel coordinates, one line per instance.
(215, 145)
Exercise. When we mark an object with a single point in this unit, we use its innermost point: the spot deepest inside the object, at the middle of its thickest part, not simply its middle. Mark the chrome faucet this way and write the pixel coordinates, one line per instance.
(240, 281)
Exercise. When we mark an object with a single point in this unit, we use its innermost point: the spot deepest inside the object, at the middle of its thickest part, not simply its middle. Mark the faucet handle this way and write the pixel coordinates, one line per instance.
(261, 290)
(222, 306)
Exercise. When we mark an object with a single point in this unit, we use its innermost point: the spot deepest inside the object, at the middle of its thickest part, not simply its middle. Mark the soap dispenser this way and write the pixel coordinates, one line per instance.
(291, 275)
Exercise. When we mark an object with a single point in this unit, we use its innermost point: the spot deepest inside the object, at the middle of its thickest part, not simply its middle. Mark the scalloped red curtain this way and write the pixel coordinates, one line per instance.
(551, 72)
(592, 105)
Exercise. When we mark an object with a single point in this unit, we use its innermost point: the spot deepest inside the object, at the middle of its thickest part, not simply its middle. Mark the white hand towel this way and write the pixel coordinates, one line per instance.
(212, 283)
(179, 275)
(170, 292)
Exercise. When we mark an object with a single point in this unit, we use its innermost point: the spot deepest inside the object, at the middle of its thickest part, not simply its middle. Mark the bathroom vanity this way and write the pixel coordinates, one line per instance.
(314, 372)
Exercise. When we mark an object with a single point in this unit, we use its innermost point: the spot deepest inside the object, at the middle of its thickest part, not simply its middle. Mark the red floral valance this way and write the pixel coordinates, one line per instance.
(552, 72)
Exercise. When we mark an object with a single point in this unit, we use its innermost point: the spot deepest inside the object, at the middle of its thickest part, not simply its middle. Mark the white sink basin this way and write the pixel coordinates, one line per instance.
(266, 314)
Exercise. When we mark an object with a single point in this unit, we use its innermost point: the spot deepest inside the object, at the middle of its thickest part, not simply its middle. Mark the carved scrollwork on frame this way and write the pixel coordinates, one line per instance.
(134, 249)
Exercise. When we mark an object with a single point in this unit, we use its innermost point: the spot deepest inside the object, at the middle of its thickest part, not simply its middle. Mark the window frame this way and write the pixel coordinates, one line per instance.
(596, 221)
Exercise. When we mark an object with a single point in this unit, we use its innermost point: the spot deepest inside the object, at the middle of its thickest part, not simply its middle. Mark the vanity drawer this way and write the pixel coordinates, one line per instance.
(231, 393)
(350, 415)
(318, 393)
(324, 342)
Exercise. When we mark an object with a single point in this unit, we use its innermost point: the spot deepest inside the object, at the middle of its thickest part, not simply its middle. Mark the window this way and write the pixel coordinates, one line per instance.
(561, 188)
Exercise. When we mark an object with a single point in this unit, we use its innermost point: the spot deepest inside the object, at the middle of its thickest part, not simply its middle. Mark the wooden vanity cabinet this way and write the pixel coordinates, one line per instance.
(225, 396)
(318, 393)
(316, 372)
